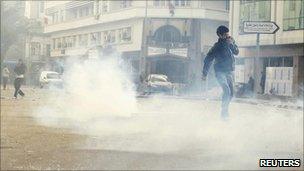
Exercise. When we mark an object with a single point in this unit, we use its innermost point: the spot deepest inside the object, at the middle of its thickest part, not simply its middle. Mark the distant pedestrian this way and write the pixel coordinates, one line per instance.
(250, 85)
(5, 76)
(262, 82)
(19, 70)
(223, 52)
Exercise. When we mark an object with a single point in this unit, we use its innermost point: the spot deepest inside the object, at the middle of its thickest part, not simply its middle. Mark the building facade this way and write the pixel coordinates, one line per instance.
(32, 45)
(37, 44)
(280, 55)
(162, 37)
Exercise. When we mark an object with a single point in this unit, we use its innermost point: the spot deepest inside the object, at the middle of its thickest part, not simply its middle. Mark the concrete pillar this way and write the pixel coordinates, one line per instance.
(194, 52)
(295, 79)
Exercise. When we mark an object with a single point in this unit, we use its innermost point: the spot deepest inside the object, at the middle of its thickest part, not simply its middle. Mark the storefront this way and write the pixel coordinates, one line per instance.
(281, 64)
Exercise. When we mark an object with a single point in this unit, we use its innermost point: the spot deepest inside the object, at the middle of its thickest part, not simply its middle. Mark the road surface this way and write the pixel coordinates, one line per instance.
(163, 133)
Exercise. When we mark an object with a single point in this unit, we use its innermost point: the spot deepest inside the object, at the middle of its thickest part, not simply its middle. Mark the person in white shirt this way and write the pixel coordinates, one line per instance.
(5, 76)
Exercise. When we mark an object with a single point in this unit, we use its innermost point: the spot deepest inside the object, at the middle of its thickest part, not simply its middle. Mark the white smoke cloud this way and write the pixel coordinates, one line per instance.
(94, 88)
(99, 101)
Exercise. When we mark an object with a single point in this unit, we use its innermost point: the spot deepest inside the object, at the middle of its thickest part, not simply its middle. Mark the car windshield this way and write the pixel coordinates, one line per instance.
(158, 79)
(53, 76)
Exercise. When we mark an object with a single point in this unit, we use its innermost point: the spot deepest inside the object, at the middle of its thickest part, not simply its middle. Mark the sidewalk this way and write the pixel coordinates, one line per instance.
(275, 102)
(295, 104)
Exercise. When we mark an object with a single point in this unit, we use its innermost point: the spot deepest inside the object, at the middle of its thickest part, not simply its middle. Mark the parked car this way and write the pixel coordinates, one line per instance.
(156, 83)
(50, 78)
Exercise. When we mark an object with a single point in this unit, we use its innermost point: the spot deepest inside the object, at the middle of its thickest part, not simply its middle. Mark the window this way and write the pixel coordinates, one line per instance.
(112, 36)
(74, 14)
(293, 15)
(109, 36)
(95, 38)
(163, 3)
(64, 43)
(227, 5)
(181, 3)
(48, 50)
(278, 62)
(69, 41)
(55, 17)
(105, 6)
(156, 3)
(58, 42)
(125, 3)
(254, 10)
(54, 45)
(61, 15)
(35, 48)
(125, 34)
(97, 7)
(41, 6)
(288, 61)
(80, 13)
(73, 41)
(83, 40)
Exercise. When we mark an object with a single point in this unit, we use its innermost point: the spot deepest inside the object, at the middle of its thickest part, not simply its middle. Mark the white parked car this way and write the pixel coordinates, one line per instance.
(50, 78)
(157, 83)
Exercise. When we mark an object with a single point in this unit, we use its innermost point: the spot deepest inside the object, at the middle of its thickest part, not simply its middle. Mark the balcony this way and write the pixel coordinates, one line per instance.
(182, 43)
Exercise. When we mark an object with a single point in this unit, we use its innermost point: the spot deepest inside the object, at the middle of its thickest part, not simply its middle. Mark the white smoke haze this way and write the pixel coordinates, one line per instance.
(93, 89)
(99, 100)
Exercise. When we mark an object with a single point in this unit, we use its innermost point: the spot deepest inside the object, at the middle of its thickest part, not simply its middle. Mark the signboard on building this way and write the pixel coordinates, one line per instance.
(183, 52)
(261, 27)
(156, 51)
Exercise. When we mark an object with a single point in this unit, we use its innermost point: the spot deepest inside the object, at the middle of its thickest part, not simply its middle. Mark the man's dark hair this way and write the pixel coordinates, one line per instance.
(221, 30)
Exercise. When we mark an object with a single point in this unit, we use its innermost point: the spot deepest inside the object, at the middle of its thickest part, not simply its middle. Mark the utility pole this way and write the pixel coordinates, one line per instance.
(255, 63)
(143, 52)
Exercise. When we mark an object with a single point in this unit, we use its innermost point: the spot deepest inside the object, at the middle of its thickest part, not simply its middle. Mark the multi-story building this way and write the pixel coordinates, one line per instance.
(281, 54)
(31, 45)
(37, 44)
(168, 35)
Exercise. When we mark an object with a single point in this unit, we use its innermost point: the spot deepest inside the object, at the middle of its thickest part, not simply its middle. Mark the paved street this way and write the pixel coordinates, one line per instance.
(163, 133)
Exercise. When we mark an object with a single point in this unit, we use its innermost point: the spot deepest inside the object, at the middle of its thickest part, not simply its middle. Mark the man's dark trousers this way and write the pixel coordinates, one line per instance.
(17, 85)
(225, 80)
(4, 79)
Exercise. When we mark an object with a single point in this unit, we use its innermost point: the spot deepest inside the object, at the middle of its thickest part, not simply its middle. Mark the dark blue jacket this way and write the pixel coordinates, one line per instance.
(222, 53)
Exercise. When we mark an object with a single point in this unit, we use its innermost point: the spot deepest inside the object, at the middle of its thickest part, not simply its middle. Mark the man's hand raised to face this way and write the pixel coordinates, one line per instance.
(230, 39)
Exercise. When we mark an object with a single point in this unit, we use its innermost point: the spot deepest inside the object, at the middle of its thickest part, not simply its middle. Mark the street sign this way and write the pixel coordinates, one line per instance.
(260, 27)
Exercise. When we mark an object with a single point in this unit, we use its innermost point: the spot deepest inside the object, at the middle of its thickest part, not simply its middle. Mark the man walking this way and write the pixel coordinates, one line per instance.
(223, 52)
(262, 82)
(5, 76)
(20, 71)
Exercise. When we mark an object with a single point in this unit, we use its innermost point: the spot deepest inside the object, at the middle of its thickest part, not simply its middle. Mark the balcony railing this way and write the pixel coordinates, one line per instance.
(184, 42)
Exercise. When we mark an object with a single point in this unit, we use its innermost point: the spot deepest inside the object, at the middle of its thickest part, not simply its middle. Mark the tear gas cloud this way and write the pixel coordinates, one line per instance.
(99, 100)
